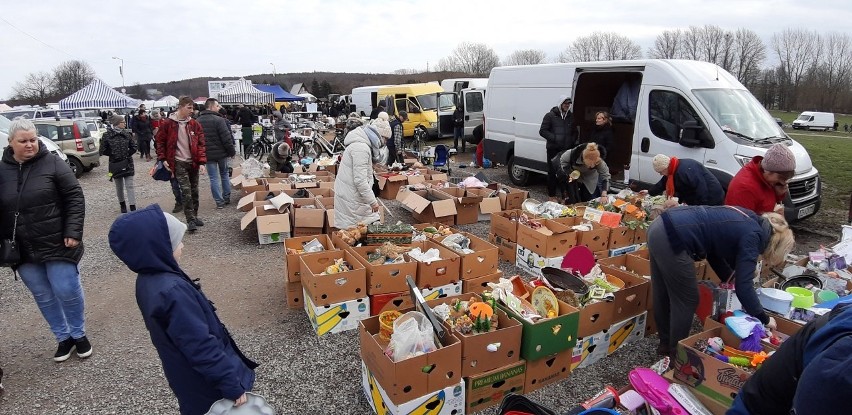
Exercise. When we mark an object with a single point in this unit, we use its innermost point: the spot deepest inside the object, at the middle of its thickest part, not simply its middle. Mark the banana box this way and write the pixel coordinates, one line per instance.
(488, 389)
(447, 401)
(532, 263)
(337, 317)
(448, 290)
(590, 349)
(478, 285)
(626, 331)
(547, 370)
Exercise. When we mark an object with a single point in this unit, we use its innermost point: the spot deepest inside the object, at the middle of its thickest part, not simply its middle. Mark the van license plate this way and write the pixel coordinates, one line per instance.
(805, 211)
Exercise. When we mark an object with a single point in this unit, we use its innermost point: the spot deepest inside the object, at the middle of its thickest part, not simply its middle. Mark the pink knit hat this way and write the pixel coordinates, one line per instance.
(779, 158)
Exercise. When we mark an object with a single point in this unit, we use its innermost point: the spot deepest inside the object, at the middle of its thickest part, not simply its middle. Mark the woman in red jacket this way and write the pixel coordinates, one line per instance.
(762, 183)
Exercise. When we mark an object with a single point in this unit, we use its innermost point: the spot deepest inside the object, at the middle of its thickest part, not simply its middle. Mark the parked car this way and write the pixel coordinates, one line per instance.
(75, 140)
(96, 128)
(31, 113)
(51, 146)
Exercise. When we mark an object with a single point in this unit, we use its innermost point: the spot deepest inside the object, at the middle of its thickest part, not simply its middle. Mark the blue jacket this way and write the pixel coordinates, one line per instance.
(200, 359)
(694, 185)
(729, 239)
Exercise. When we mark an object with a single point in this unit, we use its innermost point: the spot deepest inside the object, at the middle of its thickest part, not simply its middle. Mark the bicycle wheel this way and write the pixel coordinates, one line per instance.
(256, 150)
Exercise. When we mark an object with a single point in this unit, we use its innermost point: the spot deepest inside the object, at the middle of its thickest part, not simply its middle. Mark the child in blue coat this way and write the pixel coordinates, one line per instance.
(200, 359)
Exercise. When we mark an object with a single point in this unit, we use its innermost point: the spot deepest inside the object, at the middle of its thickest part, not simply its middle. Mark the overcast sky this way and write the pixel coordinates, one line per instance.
(170, 40)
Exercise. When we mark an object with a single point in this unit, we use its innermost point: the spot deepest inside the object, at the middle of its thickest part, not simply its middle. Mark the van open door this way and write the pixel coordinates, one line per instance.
(446, 105)
(473, 104)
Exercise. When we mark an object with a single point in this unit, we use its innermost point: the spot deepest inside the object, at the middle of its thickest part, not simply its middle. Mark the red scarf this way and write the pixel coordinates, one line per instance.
(670, 187)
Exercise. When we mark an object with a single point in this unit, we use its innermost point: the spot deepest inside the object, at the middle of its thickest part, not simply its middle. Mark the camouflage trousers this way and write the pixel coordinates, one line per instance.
(187, 178)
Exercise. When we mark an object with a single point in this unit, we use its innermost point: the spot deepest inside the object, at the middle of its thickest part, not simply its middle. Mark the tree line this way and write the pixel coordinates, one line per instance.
(65, 79)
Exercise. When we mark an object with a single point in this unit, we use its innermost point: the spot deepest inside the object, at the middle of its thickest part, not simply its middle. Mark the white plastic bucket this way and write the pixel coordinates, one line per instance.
(775, 300)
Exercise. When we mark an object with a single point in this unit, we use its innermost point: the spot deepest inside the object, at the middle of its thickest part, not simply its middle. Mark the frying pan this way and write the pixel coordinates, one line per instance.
(797, 281)
(565, 280)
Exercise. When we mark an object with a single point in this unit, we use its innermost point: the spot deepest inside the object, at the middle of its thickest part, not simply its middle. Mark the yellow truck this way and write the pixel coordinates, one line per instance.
(429, 107)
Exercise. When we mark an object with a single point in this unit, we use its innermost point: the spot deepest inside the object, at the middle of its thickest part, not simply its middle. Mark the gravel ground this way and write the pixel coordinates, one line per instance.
(299, 373)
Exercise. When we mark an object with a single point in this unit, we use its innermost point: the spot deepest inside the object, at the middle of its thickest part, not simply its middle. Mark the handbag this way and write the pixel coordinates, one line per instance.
(159, 172)
(120, 166)
(10, 255)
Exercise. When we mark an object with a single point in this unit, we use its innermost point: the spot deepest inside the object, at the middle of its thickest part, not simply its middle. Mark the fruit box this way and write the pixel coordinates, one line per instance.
(440, 272)
(337, 317)
(292, 265)
(632, 299)
(551, 240)
(332, 288)
(548, 336)
(547, 370)
(447, 401)
(488, 389)
(385, 278)
(626, 331)
(478, 285)
(505, 224)
(428, 206)
(590, 349)
(483, 261)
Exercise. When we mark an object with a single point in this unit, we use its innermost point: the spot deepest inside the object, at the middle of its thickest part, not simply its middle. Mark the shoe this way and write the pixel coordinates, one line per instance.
(227, 200)
(190, 226)
(178, 208)
(63, 351)
(84, 348)
(132, 208)
(123, 207)
(220, 205)
(199, 222)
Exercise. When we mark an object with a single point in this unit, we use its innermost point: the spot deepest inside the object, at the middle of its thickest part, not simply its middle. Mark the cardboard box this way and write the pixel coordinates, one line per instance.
(379, 301)
(308, 217)
(407, 380)
(321, 192)
(596, 239)
(635, 265)
(532, 263)
(272, 225)
(626, 331)
(447, 401)
(292, 265)
(632, 299)
(620, 237)
(718, 380)
(478, 285)
(512, 198)
(505, 224)
(590, 349)
(441, 272)
(328, 205)
(599, 255)
(506, 250)
(295, 295)
(467, 204)
(711, 405)
(624, 250)
(551, 240)
(548, 336)
(483, 261)
(248, 186)
(383, 279)
(428, 206)
(332, 288)
(488, 389)
(490, 203)
(247, 202)
(640, 236)
(448, 290)
(389, 184)
(337, 317)
(595, 317)
(547, 370)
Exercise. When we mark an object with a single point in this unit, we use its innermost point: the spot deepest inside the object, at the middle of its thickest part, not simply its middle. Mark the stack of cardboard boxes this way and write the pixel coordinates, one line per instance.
(334, 300)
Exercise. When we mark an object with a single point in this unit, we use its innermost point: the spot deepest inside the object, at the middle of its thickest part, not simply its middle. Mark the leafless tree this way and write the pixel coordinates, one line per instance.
(472, 58)
(526, 57)
(601, 46)
(748, 53)
(70, 76)
(691, 42)
(796, 50)
(667, 45)
(37, 86)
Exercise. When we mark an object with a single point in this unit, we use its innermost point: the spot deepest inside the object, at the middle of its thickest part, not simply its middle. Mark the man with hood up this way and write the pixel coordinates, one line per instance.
(201, 361)
(557, 129)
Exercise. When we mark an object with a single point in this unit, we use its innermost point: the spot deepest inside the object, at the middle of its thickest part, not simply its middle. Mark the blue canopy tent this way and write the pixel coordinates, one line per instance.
(97, 95)
(280, 94)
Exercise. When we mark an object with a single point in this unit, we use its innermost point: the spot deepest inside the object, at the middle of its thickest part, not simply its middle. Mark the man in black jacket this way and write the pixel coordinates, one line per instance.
(245, 119)
(557, 129)
(220, 148)
(378, 110)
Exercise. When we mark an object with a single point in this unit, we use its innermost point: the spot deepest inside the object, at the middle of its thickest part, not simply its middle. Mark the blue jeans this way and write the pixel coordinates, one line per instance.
(220, 183)
(56, 288)
(176, 191)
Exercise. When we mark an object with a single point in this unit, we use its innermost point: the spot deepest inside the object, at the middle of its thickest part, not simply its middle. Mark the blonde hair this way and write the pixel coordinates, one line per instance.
(607, 118)
(591, 155)
(781, 241)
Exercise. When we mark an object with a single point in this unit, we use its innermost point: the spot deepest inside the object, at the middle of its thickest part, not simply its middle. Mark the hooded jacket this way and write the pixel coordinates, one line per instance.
(694, 185)
(118, 145)
(278, 163)
(52, 206)
(142, 126)
(218, 140)
(730, 239)
(200, 359)
(166, 141)
(573, 160)
(353, 189)
(750, 190)
(557, 128)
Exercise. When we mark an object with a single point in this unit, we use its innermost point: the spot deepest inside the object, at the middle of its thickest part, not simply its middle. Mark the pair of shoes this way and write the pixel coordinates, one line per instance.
(178, 208)
(84, 348)
(190, 226)
(63, 351)
(199, 222)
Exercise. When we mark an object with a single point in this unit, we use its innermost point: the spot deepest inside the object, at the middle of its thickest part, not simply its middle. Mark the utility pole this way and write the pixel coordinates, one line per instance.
(121, 71)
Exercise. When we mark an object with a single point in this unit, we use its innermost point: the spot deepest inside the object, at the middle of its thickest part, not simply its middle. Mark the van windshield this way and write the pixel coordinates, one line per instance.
(737, 112)
(804, 117)
(428, 102)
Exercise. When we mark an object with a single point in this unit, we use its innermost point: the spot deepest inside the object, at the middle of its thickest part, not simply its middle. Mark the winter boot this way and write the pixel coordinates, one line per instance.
(132, 208)
(123, 207)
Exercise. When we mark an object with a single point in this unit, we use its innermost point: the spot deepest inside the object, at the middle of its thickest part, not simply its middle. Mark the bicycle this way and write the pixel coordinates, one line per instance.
(262, 144)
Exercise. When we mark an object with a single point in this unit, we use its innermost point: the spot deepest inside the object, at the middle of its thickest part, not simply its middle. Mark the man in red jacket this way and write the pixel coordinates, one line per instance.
(180, 144)
(762, 183)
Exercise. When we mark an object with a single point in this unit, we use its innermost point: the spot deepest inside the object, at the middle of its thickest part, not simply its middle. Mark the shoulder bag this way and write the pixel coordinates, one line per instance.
(10, 255)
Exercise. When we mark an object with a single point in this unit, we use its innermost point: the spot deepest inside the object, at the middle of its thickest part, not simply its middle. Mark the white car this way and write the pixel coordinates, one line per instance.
(51, 146)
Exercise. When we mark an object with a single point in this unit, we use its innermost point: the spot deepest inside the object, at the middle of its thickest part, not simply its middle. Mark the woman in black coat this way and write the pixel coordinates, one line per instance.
(43, 210)
(144, 134)
(602, 134)
(120, 147)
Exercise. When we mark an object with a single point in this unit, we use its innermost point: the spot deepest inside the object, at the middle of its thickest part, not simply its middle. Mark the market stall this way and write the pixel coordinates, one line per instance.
(242, 92)
(97, 94)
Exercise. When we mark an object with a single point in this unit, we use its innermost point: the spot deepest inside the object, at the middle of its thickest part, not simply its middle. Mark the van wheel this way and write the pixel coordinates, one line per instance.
(76, 167)
(519, 176)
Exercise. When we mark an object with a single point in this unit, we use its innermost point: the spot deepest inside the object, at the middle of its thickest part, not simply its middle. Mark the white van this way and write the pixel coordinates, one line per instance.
(810, 120)
(681, 108)
(364, 98)
(458, 84)
(472, 101)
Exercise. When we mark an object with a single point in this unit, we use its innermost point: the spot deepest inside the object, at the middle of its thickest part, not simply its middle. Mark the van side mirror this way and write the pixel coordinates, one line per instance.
(689, 134)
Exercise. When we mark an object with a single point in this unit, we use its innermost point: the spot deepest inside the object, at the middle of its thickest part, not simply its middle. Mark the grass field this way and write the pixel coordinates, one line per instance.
(832, 156)
(788, 118)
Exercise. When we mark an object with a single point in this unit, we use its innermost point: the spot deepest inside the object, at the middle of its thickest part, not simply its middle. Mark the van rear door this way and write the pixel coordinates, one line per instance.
(474, 104)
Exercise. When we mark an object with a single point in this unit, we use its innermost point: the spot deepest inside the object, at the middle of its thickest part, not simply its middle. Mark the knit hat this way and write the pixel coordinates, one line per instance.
(283, 149)
(116, 119)
(383, 127)
(661, 163)
(176, 230)
(779, 158)
(383, 116)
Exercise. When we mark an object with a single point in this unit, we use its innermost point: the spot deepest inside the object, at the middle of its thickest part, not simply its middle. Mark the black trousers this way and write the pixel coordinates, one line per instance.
(553, 184)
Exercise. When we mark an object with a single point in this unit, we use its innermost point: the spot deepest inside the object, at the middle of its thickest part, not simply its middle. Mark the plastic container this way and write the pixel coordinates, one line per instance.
(802, 297)
(775, 300)
(826, 295)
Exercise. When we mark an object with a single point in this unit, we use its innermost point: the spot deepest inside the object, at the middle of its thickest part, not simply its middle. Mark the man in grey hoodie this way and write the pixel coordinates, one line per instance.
(557, 129)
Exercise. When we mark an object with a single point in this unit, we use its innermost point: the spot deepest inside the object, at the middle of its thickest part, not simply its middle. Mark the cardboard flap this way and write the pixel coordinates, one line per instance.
(246, 202)
(237, 181)
(413, 200)
(490, 205)
(443, 208)
(248, 218)
(416, 179)
(281, 202)
(273, 223)
(382, 181)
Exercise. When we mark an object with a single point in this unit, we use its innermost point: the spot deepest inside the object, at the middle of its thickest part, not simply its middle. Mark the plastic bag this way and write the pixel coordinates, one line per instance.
(252, 168)
(412, 336)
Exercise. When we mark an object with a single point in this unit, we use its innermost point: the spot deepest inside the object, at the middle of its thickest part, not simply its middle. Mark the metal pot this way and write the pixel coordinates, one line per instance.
(796, 281)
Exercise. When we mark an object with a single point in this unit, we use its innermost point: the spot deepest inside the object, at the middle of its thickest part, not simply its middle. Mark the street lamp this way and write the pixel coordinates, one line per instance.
(273, 69)
(121, 70)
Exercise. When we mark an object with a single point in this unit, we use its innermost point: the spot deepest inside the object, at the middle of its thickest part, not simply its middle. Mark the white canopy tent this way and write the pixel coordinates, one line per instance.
(166, 102)
(242, 92)
(97, 94)
(308, 97)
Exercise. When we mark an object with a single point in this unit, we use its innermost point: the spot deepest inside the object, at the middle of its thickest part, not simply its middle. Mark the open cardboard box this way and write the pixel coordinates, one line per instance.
(332, 288)
(490, 203)
(483, 261)
(511, 199)
(252, 185)
(547, 370)
(632, 299)
(386, 278)
(633, 264)
(621, 236)
(487, 389)
(414, 377)
(440, 272)
(480, 284)
(247, 202)
(292, 265)
(328, 205)
(429, 206)
(321, 192)
(596, 239)
(295, 294)
(389, 183)
(308, 217)
(551, 240)
(273, 226)
(549, 335)
(505, 224)
(595, 318)
(467, 204)
(446, 401)
(336, 317)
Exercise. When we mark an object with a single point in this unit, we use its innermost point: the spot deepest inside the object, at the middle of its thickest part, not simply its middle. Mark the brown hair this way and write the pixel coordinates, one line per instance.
(607, 118)
(185, 100)
(591, 154)
(781, 241)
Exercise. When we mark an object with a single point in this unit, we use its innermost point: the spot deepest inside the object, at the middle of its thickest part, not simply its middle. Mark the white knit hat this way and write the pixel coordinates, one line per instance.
(383, 127)
(661, 163)
(384, 116)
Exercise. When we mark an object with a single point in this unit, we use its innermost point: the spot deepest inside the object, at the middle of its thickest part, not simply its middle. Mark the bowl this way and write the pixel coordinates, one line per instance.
(565, 280)
(775, 300)
(802, 297)
(386, 319)
(826, 295)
